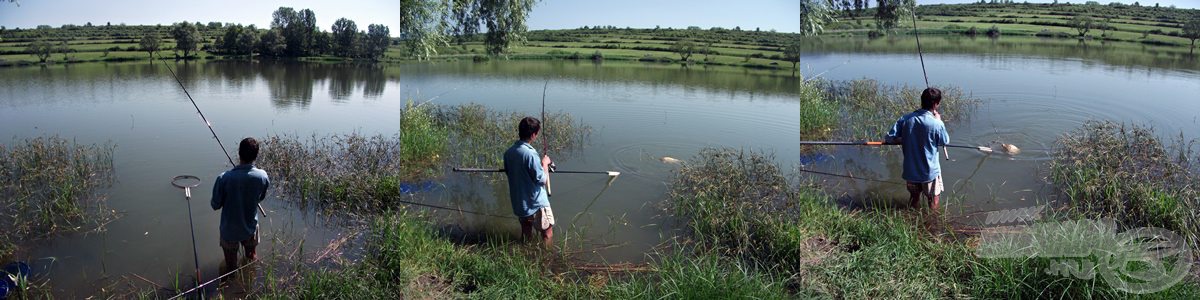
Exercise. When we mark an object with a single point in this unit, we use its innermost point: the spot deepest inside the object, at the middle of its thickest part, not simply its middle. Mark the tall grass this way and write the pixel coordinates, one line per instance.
(350, 173)
(818, 114)
(480, 135)
(749, 212)
(869, 109)
(1128, 173)
(47, 185)
(474, 136)
(423, 142)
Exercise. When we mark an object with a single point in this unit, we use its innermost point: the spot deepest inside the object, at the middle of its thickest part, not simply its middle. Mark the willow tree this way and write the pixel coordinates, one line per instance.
(424, 24)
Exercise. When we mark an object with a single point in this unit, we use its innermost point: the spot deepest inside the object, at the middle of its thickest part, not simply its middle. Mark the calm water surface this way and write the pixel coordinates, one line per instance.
(139, 108)
(642, 112)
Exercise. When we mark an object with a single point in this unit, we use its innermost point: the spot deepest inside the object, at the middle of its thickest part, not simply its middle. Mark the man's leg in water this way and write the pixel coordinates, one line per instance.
(230, 250)
(914, 194)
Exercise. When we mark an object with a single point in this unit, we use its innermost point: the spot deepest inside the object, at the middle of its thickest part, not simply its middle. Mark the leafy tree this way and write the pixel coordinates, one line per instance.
(1082, 24)
(322, 43)
(297, 28)
(889, 12)
(684, 48)
(247, 40)
(239, 40)
(505, 22)
(64, 49)
(792, 53)
(272, 43)
(1191, 31)
(814, 14)
(376, 42)
(187, 38)
(422, 23)
(41, 48)
(150, 43)
(345, 36)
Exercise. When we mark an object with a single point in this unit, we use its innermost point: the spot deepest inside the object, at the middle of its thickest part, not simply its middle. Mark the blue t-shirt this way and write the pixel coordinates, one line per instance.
(526, 180)
(237, 193)
(920, 135)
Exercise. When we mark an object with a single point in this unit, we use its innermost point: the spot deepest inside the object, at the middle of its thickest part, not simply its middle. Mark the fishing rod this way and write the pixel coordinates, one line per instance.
(478, 170)
(206, 123)
(870, 143)
(921, 55)
(545, 141)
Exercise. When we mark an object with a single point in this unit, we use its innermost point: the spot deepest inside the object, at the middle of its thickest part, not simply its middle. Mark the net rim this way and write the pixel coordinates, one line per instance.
(175, 181)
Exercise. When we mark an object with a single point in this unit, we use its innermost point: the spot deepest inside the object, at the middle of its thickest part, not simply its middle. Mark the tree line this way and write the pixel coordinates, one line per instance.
(292, 34)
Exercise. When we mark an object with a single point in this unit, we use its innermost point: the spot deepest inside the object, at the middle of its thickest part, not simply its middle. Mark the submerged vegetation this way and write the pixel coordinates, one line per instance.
(865, 109)
(474, 136)
(1128, 173)
(50, 185)
(342, 172)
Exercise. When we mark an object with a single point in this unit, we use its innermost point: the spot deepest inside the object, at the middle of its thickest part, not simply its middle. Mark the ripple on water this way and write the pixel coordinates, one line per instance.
(1032, 121)
(644, 159)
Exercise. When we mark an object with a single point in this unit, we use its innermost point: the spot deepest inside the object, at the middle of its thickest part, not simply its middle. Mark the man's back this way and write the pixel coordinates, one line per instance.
(920, 133)
(525, 179)
(237, 193)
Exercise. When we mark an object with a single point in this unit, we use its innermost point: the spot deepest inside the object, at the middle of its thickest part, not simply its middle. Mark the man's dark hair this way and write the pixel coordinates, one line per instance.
(529, 126)
(930, 97)
(248, 150)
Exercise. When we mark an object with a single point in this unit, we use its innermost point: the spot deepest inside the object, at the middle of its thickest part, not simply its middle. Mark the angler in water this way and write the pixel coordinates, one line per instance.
(237, 193)
(527, 181)
(920, 133)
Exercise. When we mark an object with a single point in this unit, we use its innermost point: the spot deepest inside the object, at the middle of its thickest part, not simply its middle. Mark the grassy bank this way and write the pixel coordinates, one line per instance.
(753, 233)
(1130, 173)
(816, 249)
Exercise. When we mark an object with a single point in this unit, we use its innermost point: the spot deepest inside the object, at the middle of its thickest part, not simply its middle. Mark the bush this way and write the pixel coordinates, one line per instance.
(972, 31)
(597, 56)
(993, 32)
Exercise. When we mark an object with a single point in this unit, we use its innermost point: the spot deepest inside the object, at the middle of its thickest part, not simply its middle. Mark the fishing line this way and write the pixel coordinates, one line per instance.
(206, 122)
(848, 176)
(456, 209)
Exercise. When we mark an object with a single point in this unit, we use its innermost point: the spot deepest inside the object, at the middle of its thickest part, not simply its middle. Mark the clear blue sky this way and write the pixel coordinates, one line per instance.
(767, 14)
(139, 12)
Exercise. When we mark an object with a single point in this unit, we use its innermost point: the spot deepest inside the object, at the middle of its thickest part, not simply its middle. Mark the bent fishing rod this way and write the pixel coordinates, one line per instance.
(478, 170)
(874, 143)
(921, 55)
(206, 123)
(545, 141)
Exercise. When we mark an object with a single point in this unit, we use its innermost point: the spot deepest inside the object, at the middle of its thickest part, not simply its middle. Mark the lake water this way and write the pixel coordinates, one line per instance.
(139, 108)
(638, 112)
(642, 112)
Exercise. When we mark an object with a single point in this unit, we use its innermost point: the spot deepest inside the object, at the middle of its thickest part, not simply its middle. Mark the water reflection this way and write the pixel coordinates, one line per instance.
(288, 84)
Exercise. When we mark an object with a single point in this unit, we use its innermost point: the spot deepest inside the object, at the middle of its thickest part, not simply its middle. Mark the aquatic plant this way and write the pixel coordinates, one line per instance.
(50, 185)
(869, 109)
(1127, 172)
(350, 173)
(423, 141)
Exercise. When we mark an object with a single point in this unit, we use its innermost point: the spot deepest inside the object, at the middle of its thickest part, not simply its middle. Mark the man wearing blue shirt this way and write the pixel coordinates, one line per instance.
(237, 193)
(919, 134)
(527, 180)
